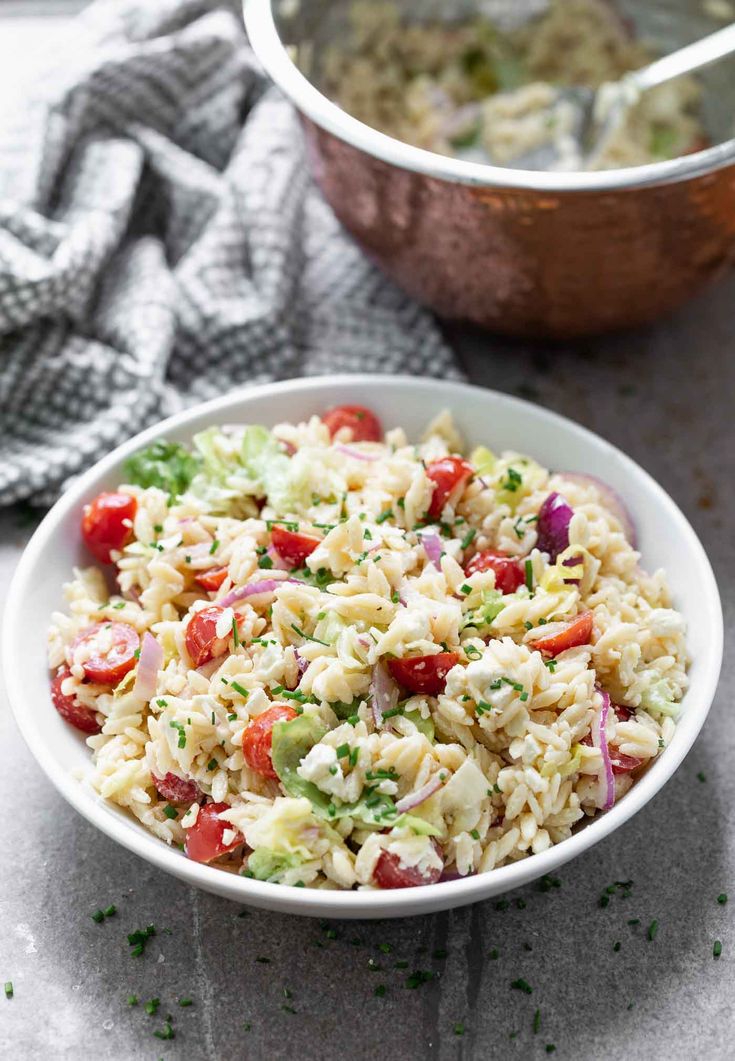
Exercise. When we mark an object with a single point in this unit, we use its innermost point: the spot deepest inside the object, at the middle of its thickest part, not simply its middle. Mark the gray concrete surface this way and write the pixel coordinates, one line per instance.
(667, 397)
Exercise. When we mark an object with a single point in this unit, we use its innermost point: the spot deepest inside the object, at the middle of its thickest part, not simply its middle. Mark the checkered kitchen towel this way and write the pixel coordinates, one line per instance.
(161, 242)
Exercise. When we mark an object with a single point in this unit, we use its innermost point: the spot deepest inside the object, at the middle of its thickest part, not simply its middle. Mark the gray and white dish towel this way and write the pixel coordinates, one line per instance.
(161, 242)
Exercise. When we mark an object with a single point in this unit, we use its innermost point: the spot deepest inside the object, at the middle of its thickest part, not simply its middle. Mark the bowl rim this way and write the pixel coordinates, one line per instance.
(122, 828)
(273, 55)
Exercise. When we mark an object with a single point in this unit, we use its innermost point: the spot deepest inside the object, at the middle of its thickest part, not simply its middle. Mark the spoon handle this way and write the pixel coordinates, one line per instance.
(693, 57)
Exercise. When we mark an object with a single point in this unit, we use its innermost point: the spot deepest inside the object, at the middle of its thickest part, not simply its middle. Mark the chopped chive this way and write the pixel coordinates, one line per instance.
(522, 985)
(186, 1002)
(393, 711)
(537, 1022)
(110, 910)
(152, 1006)
(529, 575)
(459, 1028)
(9, 989)
(212, 764)
(132, 1000)
(652, 930)
(235, 633)
(388, 514)
(166, 1033)
(466, 589)
(213, 547)
(474, 834)
(494, 954)
(550, 1048)
(701, 777)
(616, 946)
(379, 991)
(469, 538)
(716, 949)
(722, 899)
(343, 750)
(170, 812)
(98, 916)
(307, 637)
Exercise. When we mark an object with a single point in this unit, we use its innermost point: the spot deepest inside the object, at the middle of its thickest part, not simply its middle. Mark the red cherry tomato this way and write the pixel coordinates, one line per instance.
(257, 738)
(107, 524)
(623, 764)
(176, 789)
(509, 572)
(363, 423)
(623, 713)
(211, 580)
(423, 674)
(293, 548)
(106, 651)
(201, 639)
(577, 633)
(448, 475)
(70, 709)
(204, 839)
(390, 872)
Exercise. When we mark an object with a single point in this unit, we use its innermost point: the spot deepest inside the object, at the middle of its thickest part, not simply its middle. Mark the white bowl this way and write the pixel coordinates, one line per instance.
(665, 540)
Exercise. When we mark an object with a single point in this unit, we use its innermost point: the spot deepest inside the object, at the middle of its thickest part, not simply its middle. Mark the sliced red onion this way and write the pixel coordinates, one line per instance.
(599, 739)
(278, 563)
(482, 482)
(384, 692)
(611, 499)
(149, 664)
(301, 663)
(554, 518)
(432, 544)
(415, 798)
(349, 451)
(265, 585)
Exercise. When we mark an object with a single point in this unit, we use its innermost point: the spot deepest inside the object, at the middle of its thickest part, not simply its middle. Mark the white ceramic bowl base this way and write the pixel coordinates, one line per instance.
(665, 540)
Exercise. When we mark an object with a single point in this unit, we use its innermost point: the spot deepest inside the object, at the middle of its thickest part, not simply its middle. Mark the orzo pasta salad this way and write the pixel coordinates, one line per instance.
(325, 656)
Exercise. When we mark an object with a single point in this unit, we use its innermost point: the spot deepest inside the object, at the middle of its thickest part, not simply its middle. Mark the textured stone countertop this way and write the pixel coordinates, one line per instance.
(667, 396)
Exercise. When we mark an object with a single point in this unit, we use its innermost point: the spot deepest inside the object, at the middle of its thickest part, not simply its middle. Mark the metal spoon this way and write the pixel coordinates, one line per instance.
(593, 115)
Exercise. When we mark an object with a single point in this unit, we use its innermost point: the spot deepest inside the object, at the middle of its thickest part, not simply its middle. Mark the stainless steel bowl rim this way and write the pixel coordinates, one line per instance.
(273, 56)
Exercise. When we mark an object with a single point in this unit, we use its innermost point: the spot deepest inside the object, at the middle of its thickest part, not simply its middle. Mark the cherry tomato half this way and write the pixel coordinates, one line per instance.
(106, 651)
(201, 639)
(257, 738)
(577, 633)
(623, 764)
(204, 840)
(293, 548)
(449, 475)
(423, 674)
(76, 714)
(107, 524)
(509, 572)
(211, 580)
(390, 872)
(363, 423)
(176, 789)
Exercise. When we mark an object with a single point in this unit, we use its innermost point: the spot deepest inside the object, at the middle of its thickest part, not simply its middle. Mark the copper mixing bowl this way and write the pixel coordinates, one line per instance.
(551, 255)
